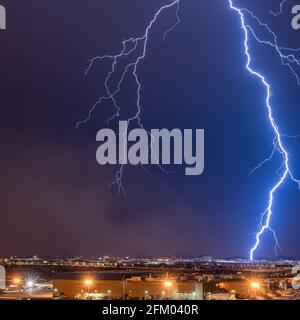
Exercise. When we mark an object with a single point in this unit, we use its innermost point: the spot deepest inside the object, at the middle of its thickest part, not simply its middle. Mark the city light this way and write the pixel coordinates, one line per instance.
(259, 284)
(29, 284)
(255, 285)
(17, 281)
(168, 284)
(88, 282)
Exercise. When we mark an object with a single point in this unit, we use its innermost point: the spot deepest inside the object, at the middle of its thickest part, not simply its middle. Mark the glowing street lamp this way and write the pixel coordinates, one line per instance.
(88, 283)
(255, 285)
(16, 281)
(168, 284)
(29, 284)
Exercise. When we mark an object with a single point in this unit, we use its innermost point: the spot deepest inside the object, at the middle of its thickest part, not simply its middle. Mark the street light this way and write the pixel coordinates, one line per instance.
(29, 285)
(17, 281)
(255, 285)
(168, 284)
(88, 283)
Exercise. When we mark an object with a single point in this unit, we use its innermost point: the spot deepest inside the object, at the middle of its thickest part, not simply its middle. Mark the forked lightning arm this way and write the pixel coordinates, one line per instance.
(135, 50)
(280, 11)
(288, 59)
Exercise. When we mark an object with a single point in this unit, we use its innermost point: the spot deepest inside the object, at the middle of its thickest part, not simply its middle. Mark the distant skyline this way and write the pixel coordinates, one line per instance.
(178, 258)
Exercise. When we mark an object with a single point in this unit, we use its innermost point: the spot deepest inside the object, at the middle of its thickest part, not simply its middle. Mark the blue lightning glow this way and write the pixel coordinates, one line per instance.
(135, 50)
(287, 59)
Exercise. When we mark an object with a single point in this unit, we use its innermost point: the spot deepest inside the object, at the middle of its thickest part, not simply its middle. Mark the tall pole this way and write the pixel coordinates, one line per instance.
(123, 288)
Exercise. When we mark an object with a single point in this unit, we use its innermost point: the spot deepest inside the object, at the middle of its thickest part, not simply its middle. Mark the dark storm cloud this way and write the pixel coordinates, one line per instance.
(55, 198)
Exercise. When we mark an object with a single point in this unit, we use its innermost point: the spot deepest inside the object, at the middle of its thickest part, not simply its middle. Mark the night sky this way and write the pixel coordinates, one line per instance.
(55, 198)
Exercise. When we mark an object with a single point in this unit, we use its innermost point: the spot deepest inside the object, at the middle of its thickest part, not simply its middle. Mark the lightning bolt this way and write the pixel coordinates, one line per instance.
(288, 58)
(280, 11)
(134, 49)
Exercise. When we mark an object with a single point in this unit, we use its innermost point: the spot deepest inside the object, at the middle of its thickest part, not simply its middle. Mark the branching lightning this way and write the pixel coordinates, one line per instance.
(280, 11)
(134, 49)
(288, 58)
(275, 148)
